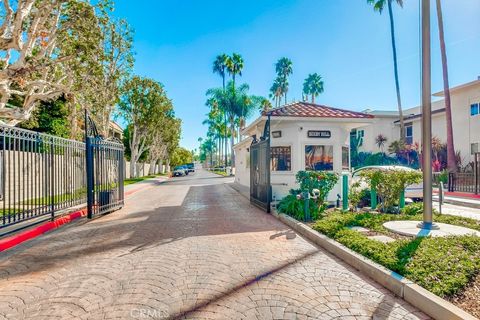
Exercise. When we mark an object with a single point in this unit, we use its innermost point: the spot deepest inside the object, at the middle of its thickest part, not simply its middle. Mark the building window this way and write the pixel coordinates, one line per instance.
(356, 137)
(473, 148)
(319, 158)
(345, 158)
(281, 158)
(474, 109)
(409, 134)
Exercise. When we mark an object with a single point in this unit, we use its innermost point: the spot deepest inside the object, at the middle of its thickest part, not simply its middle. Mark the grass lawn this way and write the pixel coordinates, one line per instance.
(135, 180)
(222, 173)
(445, 266)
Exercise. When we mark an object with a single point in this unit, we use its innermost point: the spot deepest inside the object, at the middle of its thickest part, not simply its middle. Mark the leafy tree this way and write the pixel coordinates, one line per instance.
(165, 138)
(181, 156)
(313, 85)
(143, 105)
(50, 117)
(41, 43)
(379, 5)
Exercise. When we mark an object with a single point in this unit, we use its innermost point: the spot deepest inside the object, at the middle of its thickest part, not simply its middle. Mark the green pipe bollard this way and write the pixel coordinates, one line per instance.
(345, 193)
(373, 198)
(402, 199)
(306, 205)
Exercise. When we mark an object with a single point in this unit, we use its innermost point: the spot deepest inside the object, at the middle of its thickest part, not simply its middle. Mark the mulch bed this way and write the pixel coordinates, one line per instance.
(468, 300)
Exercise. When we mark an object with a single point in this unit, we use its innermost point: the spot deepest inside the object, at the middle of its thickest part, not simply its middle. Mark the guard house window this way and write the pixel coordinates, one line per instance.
(473, 148)
(409, 134)
(474, 109)
(356, 137)
(319, 158)
(281, 159)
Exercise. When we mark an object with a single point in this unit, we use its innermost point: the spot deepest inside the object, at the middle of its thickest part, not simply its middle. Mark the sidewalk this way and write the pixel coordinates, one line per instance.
(464, 199)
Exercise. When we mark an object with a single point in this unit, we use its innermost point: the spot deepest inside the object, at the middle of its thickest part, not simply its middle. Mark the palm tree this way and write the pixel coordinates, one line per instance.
(451, 155)
(220, 66)
(380, 141)
(379, 5)
(284, 68)
(235, 66)
(238, 106)
(313, 85)
(276, 91)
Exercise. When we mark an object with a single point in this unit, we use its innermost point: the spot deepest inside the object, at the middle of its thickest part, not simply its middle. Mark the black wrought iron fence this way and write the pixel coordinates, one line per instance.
(463, 182)
(41, 176)
(105, 175)
(468, 182)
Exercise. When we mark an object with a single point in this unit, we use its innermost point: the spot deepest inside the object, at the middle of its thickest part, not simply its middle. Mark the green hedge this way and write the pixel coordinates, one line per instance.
(442, 265)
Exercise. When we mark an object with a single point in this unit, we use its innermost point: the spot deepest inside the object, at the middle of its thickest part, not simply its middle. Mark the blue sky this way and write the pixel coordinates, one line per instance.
(343, 40)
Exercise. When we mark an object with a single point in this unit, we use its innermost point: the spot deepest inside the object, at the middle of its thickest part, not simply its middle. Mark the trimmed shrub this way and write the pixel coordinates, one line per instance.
(444, 266)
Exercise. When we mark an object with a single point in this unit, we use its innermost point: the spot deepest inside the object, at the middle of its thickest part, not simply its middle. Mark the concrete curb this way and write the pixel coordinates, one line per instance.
(419, 297)
(23, 236)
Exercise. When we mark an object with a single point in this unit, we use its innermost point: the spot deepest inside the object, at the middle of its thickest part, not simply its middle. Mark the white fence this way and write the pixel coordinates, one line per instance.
(143, 169)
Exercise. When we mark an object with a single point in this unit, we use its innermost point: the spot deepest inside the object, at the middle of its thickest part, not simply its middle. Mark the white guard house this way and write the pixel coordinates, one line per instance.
(303, 136)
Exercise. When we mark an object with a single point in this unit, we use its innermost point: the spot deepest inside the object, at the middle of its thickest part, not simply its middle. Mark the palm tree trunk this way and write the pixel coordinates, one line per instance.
(225, 120)
(395, 63)
(232, 142)
(451, 157)
(313, 98)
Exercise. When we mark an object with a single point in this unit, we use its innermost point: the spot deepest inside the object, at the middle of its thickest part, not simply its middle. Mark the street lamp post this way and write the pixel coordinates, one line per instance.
(426, 119)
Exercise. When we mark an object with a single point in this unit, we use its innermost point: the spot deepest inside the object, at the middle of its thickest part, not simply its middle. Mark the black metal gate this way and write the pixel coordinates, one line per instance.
(260, 190)
(468, 182)
(105, 172)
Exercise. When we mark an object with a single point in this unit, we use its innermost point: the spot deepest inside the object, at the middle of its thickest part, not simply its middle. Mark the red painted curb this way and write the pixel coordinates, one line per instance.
(15, 240)
(460, 194)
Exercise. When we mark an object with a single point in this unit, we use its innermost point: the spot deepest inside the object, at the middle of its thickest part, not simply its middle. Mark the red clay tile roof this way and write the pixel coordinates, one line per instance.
(305, 109)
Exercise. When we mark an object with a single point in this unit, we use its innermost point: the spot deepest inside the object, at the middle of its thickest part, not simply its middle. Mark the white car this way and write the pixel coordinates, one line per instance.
(414, 191)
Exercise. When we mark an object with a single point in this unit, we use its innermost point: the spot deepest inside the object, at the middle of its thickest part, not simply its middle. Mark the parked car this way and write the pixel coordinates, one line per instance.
(191, 167)
(179, 171)
(414, 191)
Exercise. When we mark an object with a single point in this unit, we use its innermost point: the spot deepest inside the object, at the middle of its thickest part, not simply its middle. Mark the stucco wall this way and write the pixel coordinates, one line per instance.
(294, 134)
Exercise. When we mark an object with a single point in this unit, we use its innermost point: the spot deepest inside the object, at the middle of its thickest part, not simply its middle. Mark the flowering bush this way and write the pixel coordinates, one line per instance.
(390, 184)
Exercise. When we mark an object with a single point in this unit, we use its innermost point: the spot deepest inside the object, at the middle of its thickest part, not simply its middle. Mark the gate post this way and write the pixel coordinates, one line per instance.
(90, 180)
(345, 192)
(475, 170)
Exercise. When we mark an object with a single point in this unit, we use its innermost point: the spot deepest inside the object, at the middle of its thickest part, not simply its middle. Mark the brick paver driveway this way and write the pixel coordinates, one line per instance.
(189, 248)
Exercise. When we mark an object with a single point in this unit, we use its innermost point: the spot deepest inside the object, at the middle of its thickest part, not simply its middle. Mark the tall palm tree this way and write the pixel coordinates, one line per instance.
(284, 68)
(276, 91)
(239, 104)
(313, 85)
(379, 5)
(235, 66)
(451, 155)
(220, 66)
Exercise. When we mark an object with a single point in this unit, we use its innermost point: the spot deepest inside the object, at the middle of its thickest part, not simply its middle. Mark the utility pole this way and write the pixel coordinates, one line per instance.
(426, 119)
